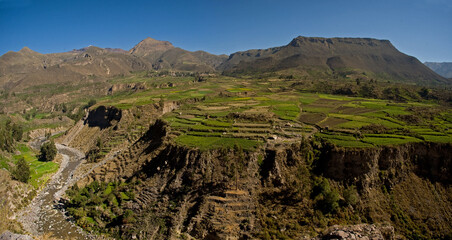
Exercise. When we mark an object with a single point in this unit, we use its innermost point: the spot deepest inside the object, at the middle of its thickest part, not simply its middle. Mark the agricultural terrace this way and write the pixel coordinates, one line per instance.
(251, 112)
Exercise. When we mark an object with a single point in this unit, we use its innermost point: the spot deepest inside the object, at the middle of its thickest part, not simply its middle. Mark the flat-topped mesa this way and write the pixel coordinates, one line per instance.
(332, 47)
(342, 46)
(300, 40)
(304, 54)
(150, 45)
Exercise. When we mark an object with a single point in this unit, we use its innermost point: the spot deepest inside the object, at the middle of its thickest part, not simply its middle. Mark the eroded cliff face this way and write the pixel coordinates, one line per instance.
(365, 166)
(272, 192)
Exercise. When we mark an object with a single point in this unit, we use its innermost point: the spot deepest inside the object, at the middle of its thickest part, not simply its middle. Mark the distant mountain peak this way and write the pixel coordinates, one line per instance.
(150, 45)
(442, 68)
(27, 50)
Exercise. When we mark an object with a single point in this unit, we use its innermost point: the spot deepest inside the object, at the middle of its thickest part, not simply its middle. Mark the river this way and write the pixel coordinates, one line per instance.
(45, 214)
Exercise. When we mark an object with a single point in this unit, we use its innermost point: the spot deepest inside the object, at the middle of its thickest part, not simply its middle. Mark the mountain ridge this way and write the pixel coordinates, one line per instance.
(442, 68)
(301, 55)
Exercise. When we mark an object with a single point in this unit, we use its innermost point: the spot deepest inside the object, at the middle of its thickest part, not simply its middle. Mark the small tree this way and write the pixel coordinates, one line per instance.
(48, 151)
(17, 132)
(22, 171)
(90, 103)
(64, 108)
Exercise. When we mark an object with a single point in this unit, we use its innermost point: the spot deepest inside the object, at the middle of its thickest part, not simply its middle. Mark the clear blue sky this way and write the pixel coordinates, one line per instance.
(421, 28)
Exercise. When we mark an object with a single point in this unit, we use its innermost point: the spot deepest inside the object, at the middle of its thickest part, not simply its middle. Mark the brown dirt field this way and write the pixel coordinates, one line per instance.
(328, 102)
(258, 109)
(213, 108)
(312, 118)
(351, 110)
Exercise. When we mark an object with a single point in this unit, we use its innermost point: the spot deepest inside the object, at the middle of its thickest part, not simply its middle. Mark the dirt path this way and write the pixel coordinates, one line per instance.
(45, 214)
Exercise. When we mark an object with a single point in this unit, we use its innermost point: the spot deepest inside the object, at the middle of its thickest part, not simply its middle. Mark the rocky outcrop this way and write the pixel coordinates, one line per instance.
(126, 86)
(13, 236)
(359, 232)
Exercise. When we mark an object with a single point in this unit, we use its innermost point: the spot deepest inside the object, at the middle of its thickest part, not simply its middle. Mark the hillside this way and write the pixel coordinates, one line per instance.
(163, 55)
(444, 69)
(343, 56)
(26, 68)
(230, 157)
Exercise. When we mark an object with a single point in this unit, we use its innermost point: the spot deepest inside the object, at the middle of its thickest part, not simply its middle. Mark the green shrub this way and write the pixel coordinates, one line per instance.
(91, 103)
(128, 217)
(48, 151)
(351, 195)
(326, 199)
(9, 134)
(22, 171)
(330, 202)
(17, 132)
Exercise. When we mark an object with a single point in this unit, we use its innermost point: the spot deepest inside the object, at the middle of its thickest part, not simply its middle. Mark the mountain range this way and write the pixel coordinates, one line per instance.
(442, 68)
(302, 56)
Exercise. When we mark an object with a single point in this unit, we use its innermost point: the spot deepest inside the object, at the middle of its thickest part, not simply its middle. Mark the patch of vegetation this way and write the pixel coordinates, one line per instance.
(101, 207)
(287, 111)
(40, 171)
(10, 133)
(325, 198)
(22, 171)
(48, 151)
(389, 139)
(240, 89)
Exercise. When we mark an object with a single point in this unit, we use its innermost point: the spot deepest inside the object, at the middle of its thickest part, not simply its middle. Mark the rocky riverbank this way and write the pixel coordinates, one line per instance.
(45, 213)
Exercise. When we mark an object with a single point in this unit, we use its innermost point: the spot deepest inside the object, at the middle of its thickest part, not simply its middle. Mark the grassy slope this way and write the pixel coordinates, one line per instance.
(40, 171)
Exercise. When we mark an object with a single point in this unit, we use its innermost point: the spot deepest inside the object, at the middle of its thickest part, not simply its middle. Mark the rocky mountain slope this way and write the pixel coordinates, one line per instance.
(444, 69)
(19, 70)
(28, 68)
(163, 55)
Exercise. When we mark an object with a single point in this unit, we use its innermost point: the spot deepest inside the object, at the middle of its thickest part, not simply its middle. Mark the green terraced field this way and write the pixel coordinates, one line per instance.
(40, 171)
(236, 108)
(281, 113)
